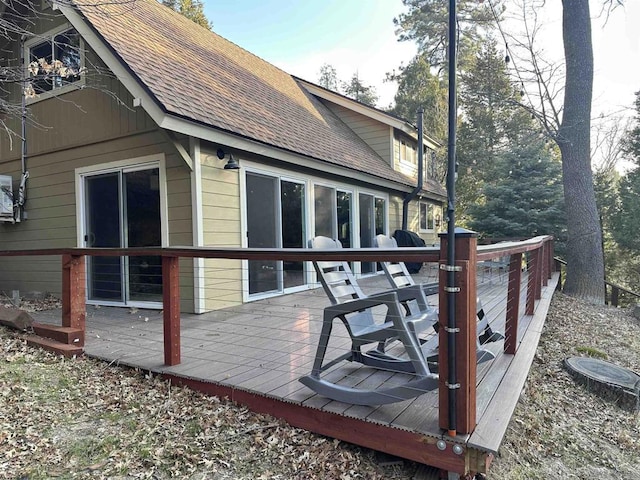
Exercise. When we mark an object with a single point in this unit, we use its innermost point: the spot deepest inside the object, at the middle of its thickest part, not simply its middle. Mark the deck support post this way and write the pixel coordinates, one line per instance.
(74, 307)
(513, 304)
(466, 245)
(171, 309)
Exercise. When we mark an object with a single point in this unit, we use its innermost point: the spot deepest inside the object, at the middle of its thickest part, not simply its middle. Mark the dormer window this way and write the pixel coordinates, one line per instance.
(407, 152)
(53, 62)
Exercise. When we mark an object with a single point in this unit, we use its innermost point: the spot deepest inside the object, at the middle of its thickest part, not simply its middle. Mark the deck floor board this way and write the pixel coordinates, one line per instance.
(264, 347)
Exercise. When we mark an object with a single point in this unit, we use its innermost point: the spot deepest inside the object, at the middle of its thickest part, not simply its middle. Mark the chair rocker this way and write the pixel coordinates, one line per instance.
(356, 313)
(399, 277)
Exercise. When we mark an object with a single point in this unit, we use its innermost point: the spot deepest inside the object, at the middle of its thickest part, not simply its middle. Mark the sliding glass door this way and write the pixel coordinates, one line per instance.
(275, 219)
(122, 209)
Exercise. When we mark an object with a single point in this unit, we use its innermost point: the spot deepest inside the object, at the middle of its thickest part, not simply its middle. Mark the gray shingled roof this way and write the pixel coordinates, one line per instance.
(198, 75)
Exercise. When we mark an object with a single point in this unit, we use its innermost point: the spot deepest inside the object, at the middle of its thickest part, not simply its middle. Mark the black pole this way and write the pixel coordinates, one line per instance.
(452, 379)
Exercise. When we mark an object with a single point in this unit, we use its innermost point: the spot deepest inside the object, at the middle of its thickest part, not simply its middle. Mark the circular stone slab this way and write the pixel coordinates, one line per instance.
(616, 378)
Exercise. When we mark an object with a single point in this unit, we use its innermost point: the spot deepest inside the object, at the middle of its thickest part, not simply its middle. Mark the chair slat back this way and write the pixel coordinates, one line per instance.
(396, 272)
(336, 277)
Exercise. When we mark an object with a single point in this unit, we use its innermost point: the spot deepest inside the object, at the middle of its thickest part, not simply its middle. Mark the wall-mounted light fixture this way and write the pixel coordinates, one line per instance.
(232, 163)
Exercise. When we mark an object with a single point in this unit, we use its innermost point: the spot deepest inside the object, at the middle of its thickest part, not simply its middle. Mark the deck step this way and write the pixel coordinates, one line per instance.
(68, 335)
(58, 348)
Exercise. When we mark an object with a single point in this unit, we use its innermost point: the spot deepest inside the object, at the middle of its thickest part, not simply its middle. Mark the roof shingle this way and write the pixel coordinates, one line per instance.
(196, 74)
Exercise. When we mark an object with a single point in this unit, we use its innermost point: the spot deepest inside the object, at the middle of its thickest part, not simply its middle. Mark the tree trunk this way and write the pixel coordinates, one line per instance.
(585, 259)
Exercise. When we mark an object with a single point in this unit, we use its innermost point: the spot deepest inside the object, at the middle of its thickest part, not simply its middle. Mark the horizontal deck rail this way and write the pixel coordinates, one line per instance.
(536, 255)
(613, 292)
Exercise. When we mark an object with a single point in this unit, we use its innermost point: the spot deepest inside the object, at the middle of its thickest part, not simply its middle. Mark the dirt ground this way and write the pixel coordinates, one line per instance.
(81, 418)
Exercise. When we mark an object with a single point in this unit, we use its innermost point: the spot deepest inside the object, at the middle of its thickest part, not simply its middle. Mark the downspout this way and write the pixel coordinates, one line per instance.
(415, 191)
(19, 213)
(450, 288)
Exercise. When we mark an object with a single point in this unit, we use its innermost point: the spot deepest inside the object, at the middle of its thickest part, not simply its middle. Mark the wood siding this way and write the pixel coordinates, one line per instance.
(221, 228)
(51, 209)
(413, 219)
(377, 135)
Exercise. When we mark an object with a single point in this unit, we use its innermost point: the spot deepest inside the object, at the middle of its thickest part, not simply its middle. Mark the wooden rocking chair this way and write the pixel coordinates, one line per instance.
(355, 310)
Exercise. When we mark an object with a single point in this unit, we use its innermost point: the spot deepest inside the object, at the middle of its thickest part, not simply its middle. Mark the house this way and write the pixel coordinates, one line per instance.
(136, 150)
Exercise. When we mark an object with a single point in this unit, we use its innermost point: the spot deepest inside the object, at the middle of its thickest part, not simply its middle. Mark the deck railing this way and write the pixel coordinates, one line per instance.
(615, 295)
(536, 255)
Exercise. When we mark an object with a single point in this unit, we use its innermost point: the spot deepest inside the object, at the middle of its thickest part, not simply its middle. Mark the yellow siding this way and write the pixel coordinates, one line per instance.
(51, 210)
(221, 228)
(377, 135)
(409, 169)
(413, 220)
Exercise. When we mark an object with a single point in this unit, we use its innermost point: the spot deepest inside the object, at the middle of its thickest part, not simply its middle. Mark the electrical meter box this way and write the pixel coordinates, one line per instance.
(6, 198)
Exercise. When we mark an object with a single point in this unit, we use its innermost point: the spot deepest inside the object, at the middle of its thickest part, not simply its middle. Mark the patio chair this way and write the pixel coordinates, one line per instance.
(399, 277)
(340, 285)
(356, 312)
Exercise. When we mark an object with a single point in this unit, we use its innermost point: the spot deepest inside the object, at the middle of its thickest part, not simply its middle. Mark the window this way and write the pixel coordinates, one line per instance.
(429, 217)
(407, 152)
(54, 61)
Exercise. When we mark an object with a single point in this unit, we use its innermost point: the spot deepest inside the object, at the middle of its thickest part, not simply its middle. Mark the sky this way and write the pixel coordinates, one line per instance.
(357, 36)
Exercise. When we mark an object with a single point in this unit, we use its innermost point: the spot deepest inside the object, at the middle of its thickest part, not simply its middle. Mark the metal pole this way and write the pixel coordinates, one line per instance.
(452, 379)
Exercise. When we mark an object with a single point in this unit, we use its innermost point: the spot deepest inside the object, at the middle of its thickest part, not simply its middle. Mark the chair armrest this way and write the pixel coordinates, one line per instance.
(390, 299)
(430, 288)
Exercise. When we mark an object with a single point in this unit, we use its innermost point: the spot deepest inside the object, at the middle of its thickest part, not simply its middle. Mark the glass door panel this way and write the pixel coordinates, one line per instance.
(103, 229)
(324, 204)
(262, 231)
(142, 213)
(367, 228)
(293, 233)
(343, 214)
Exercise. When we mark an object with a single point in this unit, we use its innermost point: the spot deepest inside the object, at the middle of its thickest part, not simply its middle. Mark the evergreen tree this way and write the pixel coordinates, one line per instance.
(426, 23)
(418, 86)
(192, 9)
(625, 221)
(328, 77)
(489, 119)
(527, 198)
(359, 91)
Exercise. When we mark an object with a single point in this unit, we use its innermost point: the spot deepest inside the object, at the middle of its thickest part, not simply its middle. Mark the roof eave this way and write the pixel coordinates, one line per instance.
(172, 122)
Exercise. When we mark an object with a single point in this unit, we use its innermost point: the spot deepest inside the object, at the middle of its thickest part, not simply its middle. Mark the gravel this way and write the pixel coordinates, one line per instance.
(82, 418)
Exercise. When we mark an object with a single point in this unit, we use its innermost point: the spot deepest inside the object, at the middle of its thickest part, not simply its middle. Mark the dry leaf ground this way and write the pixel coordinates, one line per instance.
(81, 418)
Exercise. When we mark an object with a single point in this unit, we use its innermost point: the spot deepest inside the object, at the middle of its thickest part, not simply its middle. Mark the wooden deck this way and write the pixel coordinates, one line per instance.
(255, 354)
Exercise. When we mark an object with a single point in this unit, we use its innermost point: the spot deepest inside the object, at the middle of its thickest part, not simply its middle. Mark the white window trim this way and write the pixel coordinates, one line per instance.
(138, 163)
(247, 166)
(427, 204)
(37, 39)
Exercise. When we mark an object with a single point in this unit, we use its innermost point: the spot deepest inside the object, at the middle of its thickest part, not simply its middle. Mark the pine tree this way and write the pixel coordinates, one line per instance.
(192, 9)
(419, 87)
(328, 77)
(357, 90)
(526, 198)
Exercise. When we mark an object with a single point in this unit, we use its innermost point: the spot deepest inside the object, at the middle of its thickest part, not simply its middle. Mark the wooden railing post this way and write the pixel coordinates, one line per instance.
(74, 308)
(532, 268)
(539, 270)
(615, 295)
(545, 264)
(513, 304)
(466, 325)
(171, 306)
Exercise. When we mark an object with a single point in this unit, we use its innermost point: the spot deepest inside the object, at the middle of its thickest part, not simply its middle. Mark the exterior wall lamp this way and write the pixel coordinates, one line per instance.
(232, 163)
